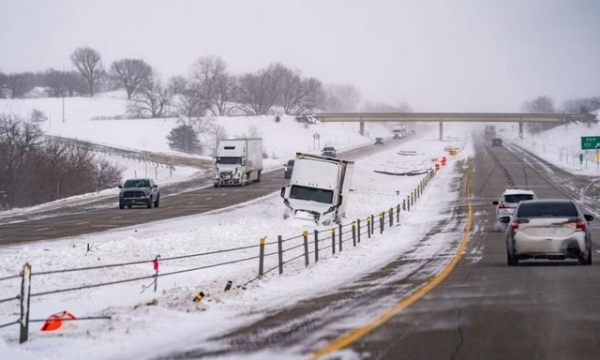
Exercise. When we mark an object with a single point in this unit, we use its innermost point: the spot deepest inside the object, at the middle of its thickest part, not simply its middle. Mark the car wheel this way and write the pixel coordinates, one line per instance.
(149, 204)
(588, 259)
(157, 202)
(512, 259)
(121, 205)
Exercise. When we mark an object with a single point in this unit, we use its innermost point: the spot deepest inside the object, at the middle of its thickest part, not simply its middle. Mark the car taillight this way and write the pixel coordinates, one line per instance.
(514, 225)
(579, 225)
(503, 206)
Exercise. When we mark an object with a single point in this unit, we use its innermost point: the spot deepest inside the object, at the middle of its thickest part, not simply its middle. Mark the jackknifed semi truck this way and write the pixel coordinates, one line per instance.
(319, 189)
(237, 162)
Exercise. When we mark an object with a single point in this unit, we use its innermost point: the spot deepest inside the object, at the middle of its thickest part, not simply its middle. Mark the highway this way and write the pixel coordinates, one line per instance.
(478, 309)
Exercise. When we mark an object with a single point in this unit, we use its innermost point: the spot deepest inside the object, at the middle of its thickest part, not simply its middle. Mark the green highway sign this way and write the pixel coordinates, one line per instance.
(590, 142)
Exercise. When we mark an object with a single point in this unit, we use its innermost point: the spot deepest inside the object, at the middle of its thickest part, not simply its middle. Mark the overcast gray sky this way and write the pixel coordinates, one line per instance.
(459, 55)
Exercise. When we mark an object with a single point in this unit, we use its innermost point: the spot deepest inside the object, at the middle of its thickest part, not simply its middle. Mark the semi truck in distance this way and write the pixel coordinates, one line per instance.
(318, 189)
(489, 132)
(237, 162)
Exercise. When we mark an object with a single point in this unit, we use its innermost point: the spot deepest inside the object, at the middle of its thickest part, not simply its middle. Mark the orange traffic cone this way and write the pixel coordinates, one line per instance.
(54, 321)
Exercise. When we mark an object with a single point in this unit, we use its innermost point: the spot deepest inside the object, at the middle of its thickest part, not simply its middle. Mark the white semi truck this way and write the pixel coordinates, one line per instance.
(318, 189)
(237, 162)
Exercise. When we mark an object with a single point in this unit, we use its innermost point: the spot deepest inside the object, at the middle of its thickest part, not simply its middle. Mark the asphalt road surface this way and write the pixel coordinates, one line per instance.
(482, 310)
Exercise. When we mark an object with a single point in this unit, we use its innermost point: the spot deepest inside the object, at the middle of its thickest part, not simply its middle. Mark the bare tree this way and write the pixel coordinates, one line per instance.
(2, 84)
(17, 138)
(19, 84)
(178, 84)
(214, 86)
(539, 105)
(186, 98)
(151, 101)
(575, 106)
(131, 74)
(298, 94)
(340, 98)
(88, 62)
(259, 91)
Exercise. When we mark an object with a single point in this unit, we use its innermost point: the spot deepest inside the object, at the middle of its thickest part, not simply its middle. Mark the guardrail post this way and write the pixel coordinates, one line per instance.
(398, 214)
(316, 246)
(369, 227)
(404, 204)
(333, 241)
(407, 203)
(305, 236)
(340, 236)
(280, 251)
(391, 216)
(25, 302)
(381, 223)
(354, 233)
(261, 257)
(358, 224)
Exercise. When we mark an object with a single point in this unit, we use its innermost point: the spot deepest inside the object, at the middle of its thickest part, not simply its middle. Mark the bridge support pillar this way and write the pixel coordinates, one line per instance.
(362, 128)
(441, 130)
(520, 129)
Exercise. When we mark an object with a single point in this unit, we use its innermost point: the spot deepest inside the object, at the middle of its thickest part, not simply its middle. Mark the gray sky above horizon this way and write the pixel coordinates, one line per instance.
(461, 55)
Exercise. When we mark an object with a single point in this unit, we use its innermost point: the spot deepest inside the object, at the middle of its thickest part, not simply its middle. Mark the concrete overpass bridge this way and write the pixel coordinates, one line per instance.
(452, 117)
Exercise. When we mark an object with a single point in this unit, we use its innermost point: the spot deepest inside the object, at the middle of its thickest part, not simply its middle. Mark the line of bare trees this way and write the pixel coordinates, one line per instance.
(545, 105)
(33, 171)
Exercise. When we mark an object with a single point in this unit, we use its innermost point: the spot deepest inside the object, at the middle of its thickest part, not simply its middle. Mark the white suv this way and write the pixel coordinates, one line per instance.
(508, 202)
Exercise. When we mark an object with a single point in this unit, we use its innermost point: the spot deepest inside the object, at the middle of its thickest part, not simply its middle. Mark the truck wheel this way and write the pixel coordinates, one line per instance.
(259, 176)
(149, 204)
(129, 206)
(244, 180)
(121, 205)
(157, 202)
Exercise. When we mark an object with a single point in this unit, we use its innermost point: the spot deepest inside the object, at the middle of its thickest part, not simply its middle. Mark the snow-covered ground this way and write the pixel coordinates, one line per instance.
(145, 323)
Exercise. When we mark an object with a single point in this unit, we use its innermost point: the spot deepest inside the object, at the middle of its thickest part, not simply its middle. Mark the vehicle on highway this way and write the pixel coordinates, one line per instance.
(397, 136)
(378, 141)
(496, 142)
(508, 202)
(411, 132)
(139, 191)
(319, 189)
(238, 162)
(548, 229)
(329, 151)
(288, 169)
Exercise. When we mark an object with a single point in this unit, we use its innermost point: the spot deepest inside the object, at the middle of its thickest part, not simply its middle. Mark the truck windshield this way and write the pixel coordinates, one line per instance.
(311, 194)
(136, 183)
(228, 160)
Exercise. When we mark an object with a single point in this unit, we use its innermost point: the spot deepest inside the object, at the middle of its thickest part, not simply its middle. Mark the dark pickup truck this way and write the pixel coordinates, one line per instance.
(139, 191)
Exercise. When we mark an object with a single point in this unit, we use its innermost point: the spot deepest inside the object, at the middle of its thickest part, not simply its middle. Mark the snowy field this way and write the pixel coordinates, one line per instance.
(145, 323)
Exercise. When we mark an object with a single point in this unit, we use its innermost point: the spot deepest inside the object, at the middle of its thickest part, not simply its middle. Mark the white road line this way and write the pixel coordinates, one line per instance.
(42, 229)
(82, 223)
(107, 225)
(208, 199)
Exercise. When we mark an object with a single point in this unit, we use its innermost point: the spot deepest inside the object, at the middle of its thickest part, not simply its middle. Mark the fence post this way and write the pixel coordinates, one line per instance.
(305, 236)
(373, 224)
(25, 302)
(358, 224)
(408, 203)
(369, 227)
(261, 257)
(316, 246)
(398, 214)
(381, 223)
(391, 216)
(354, 233)
(404, 204)
(340, 236)
(280, 250)
(333, 241)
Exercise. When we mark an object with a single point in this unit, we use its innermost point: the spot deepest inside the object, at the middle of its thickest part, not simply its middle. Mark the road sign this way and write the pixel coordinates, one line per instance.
(590, 142)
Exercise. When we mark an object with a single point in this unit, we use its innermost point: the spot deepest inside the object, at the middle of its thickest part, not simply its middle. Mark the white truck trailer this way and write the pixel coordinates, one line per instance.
(238, 162)
(318, 189)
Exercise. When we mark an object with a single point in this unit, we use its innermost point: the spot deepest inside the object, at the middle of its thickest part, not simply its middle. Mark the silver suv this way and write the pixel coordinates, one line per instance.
(508, 202)
(139, 191)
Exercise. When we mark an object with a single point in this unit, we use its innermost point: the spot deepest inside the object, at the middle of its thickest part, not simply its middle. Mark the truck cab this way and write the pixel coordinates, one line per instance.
(237, 162)
(318, 189)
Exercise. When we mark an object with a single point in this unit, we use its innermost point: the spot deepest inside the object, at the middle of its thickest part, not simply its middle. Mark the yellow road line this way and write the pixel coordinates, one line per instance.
(353, 335)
